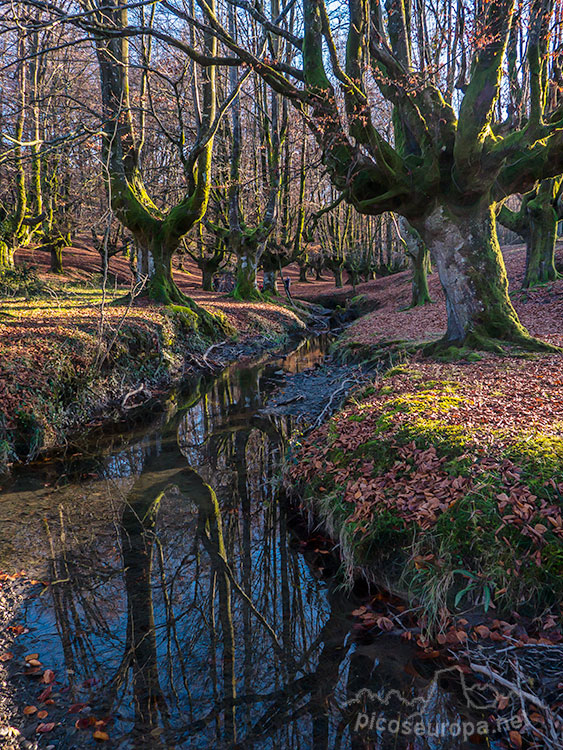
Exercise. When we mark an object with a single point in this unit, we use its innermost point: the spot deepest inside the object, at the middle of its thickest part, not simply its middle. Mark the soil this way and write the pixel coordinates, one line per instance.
(316, 392)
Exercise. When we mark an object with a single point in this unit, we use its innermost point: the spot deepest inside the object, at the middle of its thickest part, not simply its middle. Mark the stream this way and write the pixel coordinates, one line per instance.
(188, 606)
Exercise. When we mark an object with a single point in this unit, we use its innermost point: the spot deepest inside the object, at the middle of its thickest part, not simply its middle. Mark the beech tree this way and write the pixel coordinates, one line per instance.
(157, 232)
(536, 222)
(419, 259)
(449, 164)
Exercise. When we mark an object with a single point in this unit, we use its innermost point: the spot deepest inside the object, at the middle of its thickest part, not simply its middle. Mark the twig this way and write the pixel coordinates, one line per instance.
(135, 392)
(212, 365)
(510, 685)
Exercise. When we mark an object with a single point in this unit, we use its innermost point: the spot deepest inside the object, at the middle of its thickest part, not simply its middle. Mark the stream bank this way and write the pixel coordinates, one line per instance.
(72, 364)
(443, 483)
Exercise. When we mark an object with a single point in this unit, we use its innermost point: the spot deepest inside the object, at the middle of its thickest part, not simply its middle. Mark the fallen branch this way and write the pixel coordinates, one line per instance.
(339, 392)
(291, 400)
(133, 393)
(212, 365)
(510, 685)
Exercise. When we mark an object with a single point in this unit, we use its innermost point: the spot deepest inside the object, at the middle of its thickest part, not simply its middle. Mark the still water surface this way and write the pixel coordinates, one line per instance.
(184, 604)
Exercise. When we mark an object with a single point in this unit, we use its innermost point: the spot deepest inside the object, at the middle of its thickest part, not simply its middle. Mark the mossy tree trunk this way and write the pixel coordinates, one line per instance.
(246, 279)
(271, 281)
(337, 272)
(56, 248)
(469, 261)
(207, 274)
(6, 255)
(157, 235)
(536, 222)
(543, 216)
(419, 259)
(12, 224)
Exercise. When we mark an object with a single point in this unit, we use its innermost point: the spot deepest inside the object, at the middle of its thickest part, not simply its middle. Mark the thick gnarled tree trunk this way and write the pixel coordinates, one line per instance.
(464, 246)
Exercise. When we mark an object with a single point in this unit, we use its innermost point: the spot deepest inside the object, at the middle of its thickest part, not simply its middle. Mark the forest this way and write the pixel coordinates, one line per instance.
(281, 374)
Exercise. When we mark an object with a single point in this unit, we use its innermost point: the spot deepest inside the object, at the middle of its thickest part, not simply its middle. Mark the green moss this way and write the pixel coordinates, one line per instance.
(403, 370)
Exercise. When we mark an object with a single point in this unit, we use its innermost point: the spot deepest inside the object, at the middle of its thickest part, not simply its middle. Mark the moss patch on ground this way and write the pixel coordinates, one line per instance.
(445, 482)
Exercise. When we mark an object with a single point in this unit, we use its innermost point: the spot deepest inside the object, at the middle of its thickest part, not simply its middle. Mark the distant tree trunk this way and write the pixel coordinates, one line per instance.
(6, 254)
(11, 224)
(337, 271)
(56, 247)
(207, 274)
(419, 258)
(271, 281)
(543, 218)
(536, 222)
(246, 275)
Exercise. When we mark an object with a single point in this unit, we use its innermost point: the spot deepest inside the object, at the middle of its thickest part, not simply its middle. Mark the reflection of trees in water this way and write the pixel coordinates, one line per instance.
(214, 632)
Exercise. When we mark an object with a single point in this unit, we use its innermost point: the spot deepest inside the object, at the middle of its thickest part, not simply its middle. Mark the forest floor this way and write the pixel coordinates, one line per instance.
(442, 483)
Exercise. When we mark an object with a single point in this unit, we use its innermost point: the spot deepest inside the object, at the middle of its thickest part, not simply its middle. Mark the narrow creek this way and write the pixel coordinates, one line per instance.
(187, 606)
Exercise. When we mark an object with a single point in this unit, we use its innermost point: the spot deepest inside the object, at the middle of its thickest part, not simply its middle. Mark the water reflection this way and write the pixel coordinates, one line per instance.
(184, 612)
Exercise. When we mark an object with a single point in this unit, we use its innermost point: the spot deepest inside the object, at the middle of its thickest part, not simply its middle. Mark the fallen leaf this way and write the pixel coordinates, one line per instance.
(48, 676)
(42, 714)
(6, 656)
(44, 728)
(29, 657)
(76, 708)
(515, 739)
(100, 736)
(28, 710)
(483, 631)
(85, 722)
(384, 623)
(45, 694)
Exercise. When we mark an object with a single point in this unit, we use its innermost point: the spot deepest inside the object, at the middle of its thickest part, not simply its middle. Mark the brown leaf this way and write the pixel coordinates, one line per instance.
(515, 739)
(502, 702)
(482, 631)
(28, 710)
(45, 694)
(48, 676)
(29, 657)
(100, 736)
(358, 612)
(44, 728)
(85, 723)
(76, 708)
(385, 623)
(6, 656)
(42, 714)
